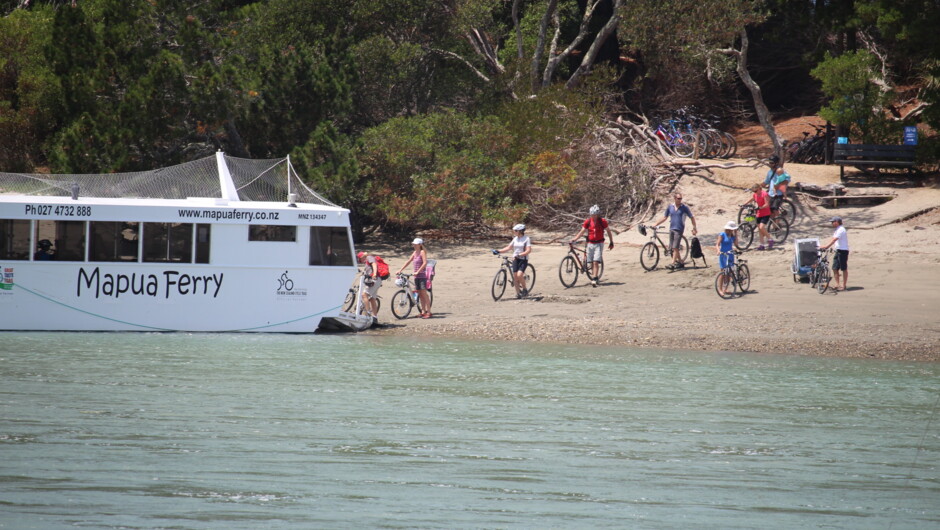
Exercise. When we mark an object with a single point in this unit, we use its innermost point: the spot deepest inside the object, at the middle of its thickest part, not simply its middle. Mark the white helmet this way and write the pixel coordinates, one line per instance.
(400, 281)
(519, 227)
(595, 210)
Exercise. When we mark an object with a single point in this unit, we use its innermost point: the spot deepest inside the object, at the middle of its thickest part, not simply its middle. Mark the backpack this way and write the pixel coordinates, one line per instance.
(382, 268)
(695, 249)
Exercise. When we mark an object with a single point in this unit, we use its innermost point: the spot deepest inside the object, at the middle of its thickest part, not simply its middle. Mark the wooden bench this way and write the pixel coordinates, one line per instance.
(862, 155)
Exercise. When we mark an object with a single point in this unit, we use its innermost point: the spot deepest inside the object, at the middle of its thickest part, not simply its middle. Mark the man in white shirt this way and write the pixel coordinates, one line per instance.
(840, 263)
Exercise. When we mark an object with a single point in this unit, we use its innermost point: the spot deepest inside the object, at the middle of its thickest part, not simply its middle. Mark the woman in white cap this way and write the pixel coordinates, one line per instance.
(420, 259)
(724, 246)
(521, 246)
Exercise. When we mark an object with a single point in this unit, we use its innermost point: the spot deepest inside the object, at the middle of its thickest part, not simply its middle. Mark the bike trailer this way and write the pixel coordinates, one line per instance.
(805, 254)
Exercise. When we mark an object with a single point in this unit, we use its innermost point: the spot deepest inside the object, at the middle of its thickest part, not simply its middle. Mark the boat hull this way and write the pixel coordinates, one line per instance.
(168, 297)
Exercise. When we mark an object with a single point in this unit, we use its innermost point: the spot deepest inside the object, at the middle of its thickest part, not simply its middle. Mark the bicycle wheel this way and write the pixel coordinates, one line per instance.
(350, 301)
(568, 271)
(684, 250)
(529, 277)
(730, 289)
(779, 229)
(741, 211)
(825, 276)
(365, 309)
(788, 210)
(732, 145)
(401, 304)
(745, 236)
(683, 145)
(499, 285)
(649, 256)
(744, 278)
(588, 267)
(421, 308)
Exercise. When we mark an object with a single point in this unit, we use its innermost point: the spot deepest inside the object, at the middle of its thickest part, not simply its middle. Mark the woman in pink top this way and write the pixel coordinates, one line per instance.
(762, 200)
(420, 259)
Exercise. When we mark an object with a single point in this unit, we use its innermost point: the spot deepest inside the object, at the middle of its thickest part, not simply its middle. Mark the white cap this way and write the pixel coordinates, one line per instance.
(731, 225)
(417, 241)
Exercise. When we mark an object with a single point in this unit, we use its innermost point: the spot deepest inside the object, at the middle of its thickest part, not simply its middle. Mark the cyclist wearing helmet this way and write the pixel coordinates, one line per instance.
(595, 225)
(521, 247)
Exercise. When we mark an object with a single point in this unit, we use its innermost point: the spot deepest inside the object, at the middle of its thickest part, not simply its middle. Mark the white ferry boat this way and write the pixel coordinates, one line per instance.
(218, 244)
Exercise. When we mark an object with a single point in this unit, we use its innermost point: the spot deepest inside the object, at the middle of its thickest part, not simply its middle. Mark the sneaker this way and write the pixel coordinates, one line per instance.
(671, 266)
(680, 265)
(760, 247)
(770, 244)
(593, 283)
(525, 292)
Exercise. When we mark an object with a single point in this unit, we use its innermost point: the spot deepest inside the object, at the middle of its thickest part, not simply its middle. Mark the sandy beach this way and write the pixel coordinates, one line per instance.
(891, 309)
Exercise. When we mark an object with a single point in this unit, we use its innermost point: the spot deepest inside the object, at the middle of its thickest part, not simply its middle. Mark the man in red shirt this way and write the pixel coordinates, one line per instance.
(595, 225)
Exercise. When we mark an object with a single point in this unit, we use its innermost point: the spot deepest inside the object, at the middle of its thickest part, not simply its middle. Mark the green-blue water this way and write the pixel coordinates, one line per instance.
(345, 431)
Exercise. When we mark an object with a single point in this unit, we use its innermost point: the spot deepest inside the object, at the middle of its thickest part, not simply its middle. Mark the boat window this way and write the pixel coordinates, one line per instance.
(113, 241)
(67, 238)
(272, 233)
(329, 245)
(203, 233)
(168, 242)
(14, 239)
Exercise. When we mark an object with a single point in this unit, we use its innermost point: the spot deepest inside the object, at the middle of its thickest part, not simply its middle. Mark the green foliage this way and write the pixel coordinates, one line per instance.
(854, 100)
(29, 92)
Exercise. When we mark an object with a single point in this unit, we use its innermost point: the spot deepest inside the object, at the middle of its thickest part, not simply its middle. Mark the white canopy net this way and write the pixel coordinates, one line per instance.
(254, 180)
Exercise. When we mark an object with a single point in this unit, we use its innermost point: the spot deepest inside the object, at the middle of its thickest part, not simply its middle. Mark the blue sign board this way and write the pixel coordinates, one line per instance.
(910, 136)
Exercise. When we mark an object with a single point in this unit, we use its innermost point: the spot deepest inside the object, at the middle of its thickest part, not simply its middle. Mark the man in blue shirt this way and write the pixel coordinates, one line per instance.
(676, 213)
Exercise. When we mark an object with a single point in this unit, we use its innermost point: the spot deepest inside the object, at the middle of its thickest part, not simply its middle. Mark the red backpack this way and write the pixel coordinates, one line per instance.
(382, 268)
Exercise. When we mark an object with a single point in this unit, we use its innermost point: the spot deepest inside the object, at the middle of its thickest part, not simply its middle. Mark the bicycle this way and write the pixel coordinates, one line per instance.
(777, 227)
(505, 275)
(649, 254)
(573, 264)
(787, 210)
(734, 277)
(821, 274)
(352, 296)
(407, 297)
(683, 144)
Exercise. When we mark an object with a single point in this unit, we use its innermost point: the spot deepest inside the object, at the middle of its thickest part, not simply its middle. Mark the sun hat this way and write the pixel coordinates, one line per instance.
(731, 225)
(835, 219)
(519, 227)
(417, 241)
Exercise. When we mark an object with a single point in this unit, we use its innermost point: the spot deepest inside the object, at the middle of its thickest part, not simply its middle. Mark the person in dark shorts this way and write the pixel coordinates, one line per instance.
(521, 246)
(840, 263)
(676, 213)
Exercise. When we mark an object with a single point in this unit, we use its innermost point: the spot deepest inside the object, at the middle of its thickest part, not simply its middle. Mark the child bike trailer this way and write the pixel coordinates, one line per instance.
(805, 254)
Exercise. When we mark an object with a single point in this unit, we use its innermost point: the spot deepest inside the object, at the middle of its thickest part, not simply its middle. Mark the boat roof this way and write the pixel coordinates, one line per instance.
(211, 181)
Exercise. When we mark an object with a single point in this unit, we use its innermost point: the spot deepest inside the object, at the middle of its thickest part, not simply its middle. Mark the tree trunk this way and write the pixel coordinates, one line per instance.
(588, 62)
(540, 44)
(763, 113)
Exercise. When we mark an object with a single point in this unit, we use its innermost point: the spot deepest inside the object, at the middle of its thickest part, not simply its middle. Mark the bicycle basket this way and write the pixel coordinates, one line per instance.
(642, 229)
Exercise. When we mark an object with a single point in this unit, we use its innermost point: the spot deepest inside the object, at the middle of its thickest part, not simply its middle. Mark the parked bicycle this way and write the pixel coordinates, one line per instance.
(359, 285)
(407, 297)
(821, 274)
(682, 143)
(733, 277)
(575, 263)
(777, 227)
(649, 254)
(505, 275)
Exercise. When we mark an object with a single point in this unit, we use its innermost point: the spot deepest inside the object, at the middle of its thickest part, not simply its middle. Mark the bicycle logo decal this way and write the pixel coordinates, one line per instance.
(286, 290)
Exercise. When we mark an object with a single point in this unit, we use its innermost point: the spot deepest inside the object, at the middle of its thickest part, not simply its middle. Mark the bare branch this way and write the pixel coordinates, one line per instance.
(588, 62)
(467, 63)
